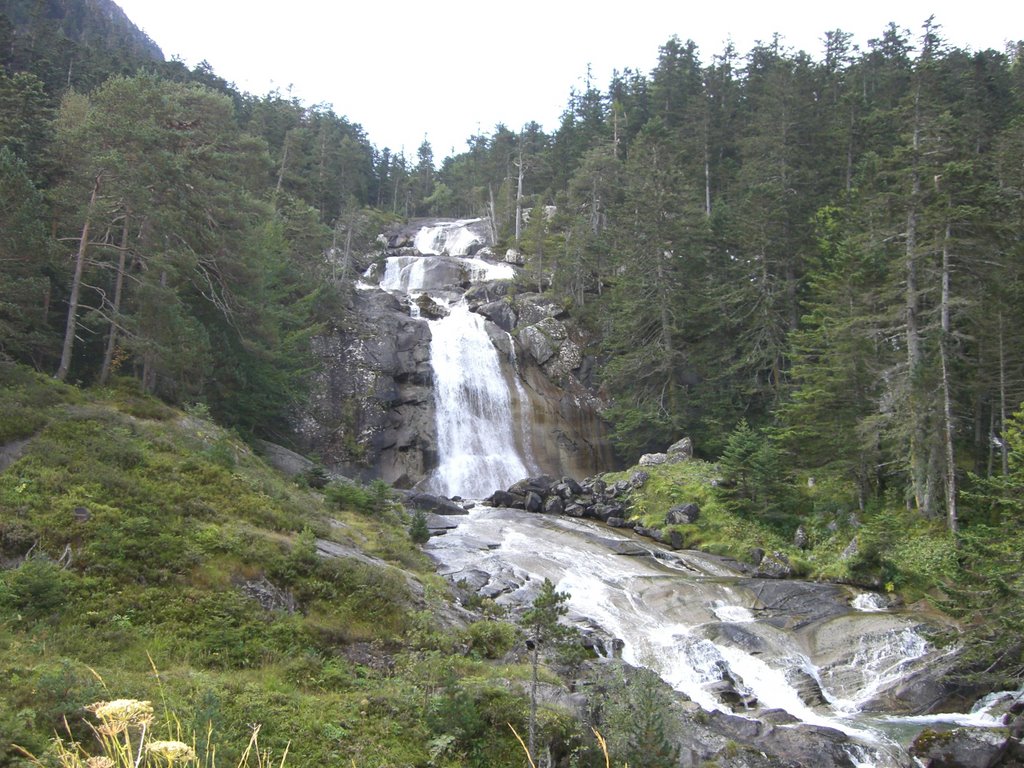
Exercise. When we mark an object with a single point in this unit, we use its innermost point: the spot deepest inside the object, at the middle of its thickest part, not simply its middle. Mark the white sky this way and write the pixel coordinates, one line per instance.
(450, 68)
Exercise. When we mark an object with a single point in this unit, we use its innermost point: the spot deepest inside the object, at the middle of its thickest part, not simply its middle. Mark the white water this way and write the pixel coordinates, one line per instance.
(698, 628)
(453, 238)
(481, 448)
(475, 423)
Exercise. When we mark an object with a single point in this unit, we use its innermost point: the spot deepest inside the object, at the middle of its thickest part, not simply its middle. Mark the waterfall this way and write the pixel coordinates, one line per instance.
(482, 446)
(475, 427)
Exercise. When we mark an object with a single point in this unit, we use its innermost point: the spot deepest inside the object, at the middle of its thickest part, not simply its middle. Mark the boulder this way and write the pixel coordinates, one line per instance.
(681, 450)
(639, 478)
(652, 459)
(534, 502)
(650, 533)
(683, 514)
(428, 502)
(553, 505)
(501, 313)
(960, 748)
(800, 540)
(616, 522)
(574, 510)
(539, 484)
(775, 566)
(505, 499)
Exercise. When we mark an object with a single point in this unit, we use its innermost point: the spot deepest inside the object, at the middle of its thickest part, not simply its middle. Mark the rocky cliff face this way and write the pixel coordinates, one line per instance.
(373, 411)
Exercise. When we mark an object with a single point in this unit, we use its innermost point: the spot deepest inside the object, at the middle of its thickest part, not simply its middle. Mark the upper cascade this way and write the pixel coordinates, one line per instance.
(463, 237)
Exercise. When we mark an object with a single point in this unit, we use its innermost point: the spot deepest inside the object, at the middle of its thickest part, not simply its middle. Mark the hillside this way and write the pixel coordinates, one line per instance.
(137, 539)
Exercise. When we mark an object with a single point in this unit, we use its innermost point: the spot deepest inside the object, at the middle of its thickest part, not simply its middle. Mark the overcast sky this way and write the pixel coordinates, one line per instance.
(451, 68)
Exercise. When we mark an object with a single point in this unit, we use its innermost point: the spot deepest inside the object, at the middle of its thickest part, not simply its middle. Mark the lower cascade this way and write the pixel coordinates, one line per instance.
(476, 429)
(733, 644)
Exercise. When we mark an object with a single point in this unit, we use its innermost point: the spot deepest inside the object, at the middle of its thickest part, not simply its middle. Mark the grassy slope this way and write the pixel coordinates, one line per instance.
(895, 550)
(165, 518)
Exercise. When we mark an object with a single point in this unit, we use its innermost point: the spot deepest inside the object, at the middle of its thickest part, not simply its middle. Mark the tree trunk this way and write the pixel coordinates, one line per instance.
(919, 454)
(76, 286)
(947, 400)
(519, 193)
(108, 354)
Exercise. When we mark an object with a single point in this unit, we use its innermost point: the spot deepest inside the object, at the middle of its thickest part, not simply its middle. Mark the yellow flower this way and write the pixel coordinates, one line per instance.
(172, 751)
(120, 714)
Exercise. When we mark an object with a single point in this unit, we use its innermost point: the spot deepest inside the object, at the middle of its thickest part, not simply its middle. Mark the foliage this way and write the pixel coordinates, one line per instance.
(418, 531)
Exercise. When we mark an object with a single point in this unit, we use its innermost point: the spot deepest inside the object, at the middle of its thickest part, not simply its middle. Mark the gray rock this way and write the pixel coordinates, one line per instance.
(506, 499)
(800, 540)
(428, 502)
(851, 549)
(616, 522)
(553, 505)
(639, 478)
(683, 449)
(650, 533)
(534, 502)
(683, 514)
(652, 459)
(960, 748)
(501, 313)
(775, 566)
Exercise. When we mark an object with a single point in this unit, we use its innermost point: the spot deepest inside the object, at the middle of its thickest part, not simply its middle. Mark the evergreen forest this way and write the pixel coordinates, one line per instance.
(813, 265)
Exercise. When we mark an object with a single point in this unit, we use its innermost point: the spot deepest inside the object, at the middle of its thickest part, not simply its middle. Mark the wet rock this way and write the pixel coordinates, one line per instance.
(756, 555)
(682, 514)
(438, 524)
(650, 533)
(430, 308)
(960, 748)
(616, 522)
(574, 510)
(603, 512)
(675, 540)
(506, 499)
(500, 313)
(428, 502)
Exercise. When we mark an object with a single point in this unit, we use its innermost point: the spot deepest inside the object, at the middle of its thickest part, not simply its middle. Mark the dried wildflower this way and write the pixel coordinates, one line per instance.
(99, 761)
(120, 714)
(172, 751)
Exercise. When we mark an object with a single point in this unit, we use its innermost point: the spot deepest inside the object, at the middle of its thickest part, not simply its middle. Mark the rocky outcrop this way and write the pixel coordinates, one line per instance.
(371, 410)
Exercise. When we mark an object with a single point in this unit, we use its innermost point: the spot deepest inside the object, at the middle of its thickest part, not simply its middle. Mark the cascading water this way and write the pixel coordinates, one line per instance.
(703, 628)
(481, 448)
(475, 429)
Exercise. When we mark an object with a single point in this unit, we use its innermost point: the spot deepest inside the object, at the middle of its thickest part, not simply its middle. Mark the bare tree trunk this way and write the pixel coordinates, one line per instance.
(284, 163)
(919, 454)
(108, 354)
(519, 192)
(1004, 449)
(952, 520)
(76, 286)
